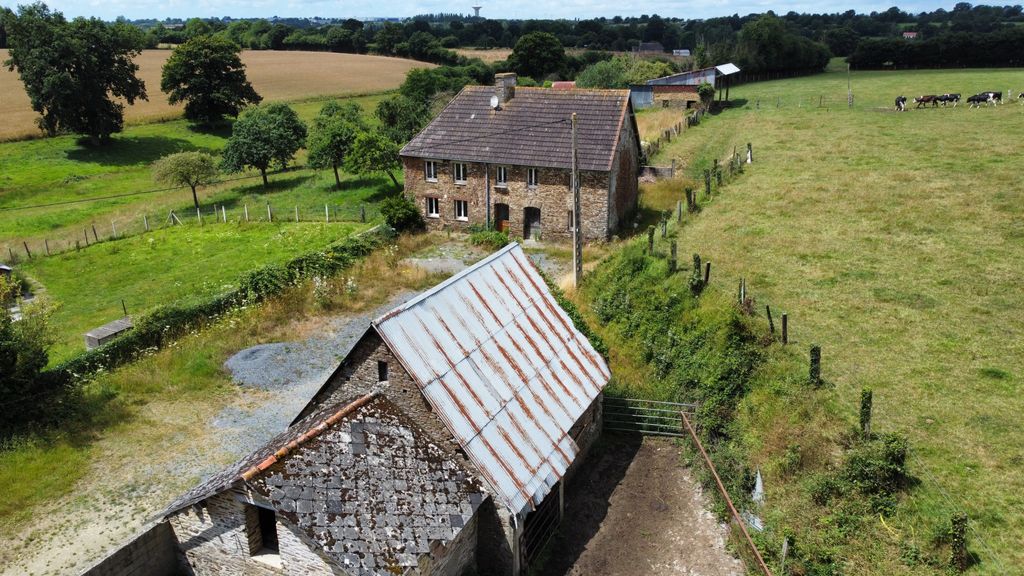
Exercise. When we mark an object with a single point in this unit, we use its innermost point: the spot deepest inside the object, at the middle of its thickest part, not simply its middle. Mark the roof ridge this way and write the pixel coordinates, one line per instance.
(269, 461)
(451, 280)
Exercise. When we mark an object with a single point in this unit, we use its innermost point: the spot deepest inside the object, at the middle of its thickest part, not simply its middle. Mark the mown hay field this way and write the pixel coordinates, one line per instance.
(276, 75)
(893, 240)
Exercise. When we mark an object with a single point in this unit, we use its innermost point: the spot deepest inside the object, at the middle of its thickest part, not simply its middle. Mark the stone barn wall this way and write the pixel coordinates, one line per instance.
(151, 553)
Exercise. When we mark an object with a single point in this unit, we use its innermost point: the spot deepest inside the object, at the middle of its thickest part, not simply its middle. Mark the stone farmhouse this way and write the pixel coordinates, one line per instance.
(503, 156)
(440, 444)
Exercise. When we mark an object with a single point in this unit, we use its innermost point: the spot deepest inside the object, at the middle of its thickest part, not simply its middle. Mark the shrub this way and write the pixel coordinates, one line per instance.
(401, 214)
(492, 239)
(878, 466)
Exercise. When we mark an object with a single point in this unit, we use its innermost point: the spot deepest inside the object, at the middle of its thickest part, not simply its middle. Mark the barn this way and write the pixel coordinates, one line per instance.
(441, 443)
(681, 89)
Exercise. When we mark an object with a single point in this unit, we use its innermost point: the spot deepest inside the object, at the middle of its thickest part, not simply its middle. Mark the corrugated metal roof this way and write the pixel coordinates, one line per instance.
(726, 69)
(505, 369)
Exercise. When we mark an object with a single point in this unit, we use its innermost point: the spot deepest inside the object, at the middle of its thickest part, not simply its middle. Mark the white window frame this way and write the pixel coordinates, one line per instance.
(436, 212)
(464, 204)
(460, 167)
(501, 177)
(430, 170)
(532, 177)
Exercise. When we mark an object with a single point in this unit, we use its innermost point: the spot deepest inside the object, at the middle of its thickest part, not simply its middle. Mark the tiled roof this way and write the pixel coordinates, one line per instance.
(372, 492)
(531, 129)
(504, 368)
(362, 481)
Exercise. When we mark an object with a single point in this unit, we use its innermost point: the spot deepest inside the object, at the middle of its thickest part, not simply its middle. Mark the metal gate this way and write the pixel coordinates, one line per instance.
(540, 525)
(645, 416)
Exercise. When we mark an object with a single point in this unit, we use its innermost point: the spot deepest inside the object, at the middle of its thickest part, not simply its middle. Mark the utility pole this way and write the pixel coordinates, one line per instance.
(577, 232)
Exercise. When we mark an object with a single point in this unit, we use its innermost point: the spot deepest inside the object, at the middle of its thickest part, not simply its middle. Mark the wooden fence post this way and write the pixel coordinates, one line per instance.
(815, 370)
(785, 328)
(47, 244)
(95, 236)
(86, 232)
(771, 323)
(958, 557)
(145, 222)
(679, 211)
(25, 244)
(270, 213)
(707, 272)
(672, 262)
(223, 214)
(650, 239)
(865, 411)
(664, 227)
(113, 229)
(362, 213)
(707, 183)
(750, 153)
(327, 214)
(245, 208)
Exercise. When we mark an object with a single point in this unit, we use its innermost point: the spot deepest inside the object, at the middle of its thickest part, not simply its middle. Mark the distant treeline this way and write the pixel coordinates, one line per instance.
(1002, 48)
(431, 37)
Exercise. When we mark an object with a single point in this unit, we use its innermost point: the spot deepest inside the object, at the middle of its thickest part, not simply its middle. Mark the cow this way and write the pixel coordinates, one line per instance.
(925, 100)
(985, 98)
(947, 98)
(901, 103)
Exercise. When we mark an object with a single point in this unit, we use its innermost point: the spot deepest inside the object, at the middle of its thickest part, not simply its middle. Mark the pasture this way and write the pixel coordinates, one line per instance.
(894, 241)
(276, 75)
(97, 186)
(179, 263)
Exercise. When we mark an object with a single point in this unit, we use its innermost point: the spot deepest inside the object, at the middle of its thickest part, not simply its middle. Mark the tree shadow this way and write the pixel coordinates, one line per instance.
(588, 498)
(132, 150)
(280, 183)
(223, 130)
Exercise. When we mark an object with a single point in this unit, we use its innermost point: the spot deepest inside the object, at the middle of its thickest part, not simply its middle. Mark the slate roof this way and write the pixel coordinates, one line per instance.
(504, 368)
(531, 129)
(362, 481)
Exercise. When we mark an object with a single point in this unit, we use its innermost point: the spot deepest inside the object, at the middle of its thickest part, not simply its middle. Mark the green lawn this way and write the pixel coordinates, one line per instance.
(161, 267)
(52, 170)
(894, 241)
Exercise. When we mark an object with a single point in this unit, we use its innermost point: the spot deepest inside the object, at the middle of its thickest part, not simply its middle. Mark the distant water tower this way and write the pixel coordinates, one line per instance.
(476, 9)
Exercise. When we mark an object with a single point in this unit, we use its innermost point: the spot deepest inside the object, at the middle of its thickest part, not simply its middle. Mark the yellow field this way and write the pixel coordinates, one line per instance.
(489, 56)
(276, 75)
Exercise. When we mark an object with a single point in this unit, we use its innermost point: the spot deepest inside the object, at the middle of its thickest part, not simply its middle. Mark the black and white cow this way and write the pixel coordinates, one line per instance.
(985, 98)
(901, 103)
(947, 98)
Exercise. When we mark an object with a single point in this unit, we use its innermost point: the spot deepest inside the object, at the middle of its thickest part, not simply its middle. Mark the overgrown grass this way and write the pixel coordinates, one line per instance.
(171, 264)
(893, 240)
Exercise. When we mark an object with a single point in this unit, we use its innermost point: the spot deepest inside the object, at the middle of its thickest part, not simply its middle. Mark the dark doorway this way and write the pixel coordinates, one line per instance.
(531, 223)
(501, 217)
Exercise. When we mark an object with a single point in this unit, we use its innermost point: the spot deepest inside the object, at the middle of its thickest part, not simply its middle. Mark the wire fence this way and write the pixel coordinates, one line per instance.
(15, 251)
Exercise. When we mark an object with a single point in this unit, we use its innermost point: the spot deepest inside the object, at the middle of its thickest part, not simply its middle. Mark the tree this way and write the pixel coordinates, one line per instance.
(75, 72)
(537, 54)
(261, 135)
(401, 117)
(23, 355)
(190, 169)
(372, 152)
(208, 75)
(332, 135)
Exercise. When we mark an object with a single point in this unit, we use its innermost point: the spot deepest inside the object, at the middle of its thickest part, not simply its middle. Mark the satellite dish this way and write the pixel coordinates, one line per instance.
(494, 101)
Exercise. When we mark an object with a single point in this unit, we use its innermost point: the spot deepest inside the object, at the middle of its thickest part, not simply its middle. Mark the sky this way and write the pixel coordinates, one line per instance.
(520, 9)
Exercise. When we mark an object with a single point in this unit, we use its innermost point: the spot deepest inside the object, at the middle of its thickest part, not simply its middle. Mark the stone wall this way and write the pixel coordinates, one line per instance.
(214, 538)
(151, 553)
(551, 195)
(623, 189)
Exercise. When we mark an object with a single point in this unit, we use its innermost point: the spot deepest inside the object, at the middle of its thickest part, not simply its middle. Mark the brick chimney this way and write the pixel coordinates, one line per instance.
(505, 86)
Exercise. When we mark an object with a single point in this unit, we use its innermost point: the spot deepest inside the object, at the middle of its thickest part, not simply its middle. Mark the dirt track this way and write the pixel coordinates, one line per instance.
(634, 509)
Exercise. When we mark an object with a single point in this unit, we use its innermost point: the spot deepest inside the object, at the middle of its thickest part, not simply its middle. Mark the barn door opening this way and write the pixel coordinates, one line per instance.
(501, 217)
(531, 223)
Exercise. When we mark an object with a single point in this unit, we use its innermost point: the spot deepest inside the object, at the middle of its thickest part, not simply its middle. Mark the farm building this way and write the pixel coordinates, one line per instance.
(510, 164)
(681, 89)
(441, 443)
(650, 48)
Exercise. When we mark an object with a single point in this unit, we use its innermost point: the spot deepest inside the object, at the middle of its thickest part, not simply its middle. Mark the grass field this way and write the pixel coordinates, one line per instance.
(490, 56)
(172, 264)
(59, 170)
(894, 241)
(276, 75)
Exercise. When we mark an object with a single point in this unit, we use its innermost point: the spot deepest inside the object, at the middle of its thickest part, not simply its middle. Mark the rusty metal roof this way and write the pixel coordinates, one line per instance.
(505, 369)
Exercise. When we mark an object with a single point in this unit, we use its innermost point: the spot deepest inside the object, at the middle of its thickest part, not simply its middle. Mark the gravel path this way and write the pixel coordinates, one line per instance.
(289, 373)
